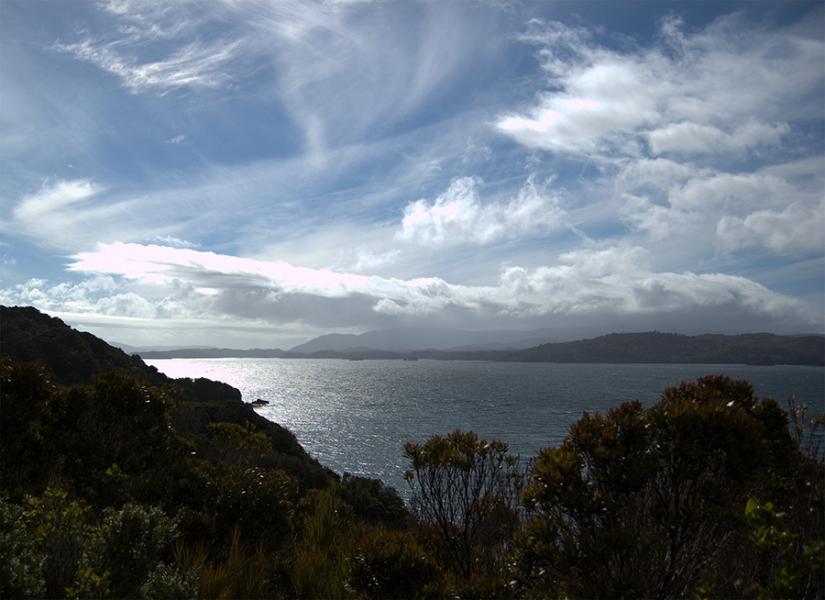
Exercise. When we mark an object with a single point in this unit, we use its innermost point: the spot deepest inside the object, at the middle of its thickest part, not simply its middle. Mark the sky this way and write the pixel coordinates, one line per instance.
(256, 173)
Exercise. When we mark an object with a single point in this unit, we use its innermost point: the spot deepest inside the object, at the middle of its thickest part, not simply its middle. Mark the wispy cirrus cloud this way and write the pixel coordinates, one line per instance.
(194, 65)
(54, 197)
(75, 213)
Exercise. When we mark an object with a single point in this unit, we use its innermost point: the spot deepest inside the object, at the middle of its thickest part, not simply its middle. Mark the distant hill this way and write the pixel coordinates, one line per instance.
(656, 347)
(410, 339)
(649, 347)
(214, 353)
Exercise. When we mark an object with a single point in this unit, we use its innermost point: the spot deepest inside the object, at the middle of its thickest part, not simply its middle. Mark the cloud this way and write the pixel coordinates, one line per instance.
(741, 207)
(459, 216)
(203, 296)
(73, 214)
(691, 138)
(613, 280)
(731, 192)
(798, 228)
(689, 133)
(660, 221)
(168, 240)
(725, 88)
(193, 65)
(54, 197)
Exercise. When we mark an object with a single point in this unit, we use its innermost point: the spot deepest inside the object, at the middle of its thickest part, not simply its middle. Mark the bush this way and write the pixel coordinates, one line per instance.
(320, 569)
(469, 490)
(649, 502)
(391, 564)
(374, 502)
(129, 543)
(21, 559)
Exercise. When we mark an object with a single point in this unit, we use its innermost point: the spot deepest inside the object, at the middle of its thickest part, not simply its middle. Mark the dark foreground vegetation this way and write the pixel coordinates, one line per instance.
(129, 484)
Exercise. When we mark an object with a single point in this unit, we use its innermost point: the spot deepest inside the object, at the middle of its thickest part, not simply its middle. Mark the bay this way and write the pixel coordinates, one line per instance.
(354, 416)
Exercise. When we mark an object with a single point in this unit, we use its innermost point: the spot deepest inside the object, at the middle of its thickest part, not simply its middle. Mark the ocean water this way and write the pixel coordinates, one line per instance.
(354, 416)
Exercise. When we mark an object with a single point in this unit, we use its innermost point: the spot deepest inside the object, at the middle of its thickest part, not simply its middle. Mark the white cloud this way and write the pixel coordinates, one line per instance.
(691, 138)
(728, 88)
(727, 192)
(192, 65)
(139, 287)
(459, 216)
(54, 197)
(689, 133)
(174, 242)
(723, 89)
(660, 221)
(614, 280)
(74, 214)
(799, 227)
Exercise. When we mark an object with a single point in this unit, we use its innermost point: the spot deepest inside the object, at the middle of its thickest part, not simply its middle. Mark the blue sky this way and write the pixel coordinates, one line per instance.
(254, 173)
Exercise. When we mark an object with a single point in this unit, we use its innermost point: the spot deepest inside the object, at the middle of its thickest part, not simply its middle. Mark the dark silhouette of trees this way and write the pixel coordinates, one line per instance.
(118, 487)
(651, 502)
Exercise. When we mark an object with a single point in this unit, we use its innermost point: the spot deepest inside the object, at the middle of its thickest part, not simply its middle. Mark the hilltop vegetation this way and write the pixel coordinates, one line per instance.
(121, 486)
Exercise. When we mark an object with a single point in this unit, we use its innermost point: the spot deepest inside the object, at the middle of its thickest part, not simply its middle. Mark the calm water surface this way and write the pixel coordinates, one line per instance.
(356, 415)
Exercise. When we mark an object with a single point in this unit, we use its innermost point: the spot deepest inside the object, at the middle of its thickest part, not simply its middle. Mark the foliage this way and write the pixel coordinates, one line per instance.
(129, 544)
(373, 502)
(648, 502)
(787, 567)
(21, 561)
(320, 569)
(27, 423)
(391, 564)
(243, 574)
(115, 487)
(468, 489)
(170, 583)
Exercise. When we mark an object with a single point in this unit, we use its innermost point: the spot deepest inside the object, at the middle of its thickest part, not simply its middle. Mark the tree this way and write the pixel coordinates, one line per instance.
(650, 501)
(467, 490)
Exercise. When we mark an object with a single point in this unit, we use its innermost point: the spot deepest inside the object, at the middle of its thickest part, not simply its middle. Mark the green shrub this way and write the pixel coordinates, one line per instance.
(129, 543)
(649, 501)
(391, 564)
(320, 569)
(468, 489)
(21, 559)
(374, 502)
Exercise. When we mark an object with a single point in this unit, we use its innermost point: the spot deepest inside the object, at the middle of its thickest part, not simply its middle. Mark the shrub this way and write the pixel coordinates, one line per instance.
(649, 502)
(469, 490)
(391, 564)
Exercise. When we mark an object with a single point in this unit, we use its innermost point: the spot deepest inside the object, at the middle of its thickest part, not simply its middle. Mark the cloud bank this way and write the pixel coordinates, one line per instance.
(604, 284)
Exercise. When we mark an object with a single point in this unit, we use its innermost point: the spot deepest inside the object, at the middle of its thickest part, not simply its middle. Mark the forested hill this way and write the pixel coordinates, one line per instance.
(71, 356)
(656, 347)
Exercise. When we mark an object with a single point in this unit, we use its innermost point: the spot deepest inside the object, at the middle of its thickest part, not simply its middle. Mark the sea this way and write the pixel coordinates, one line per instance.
(355, 415)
